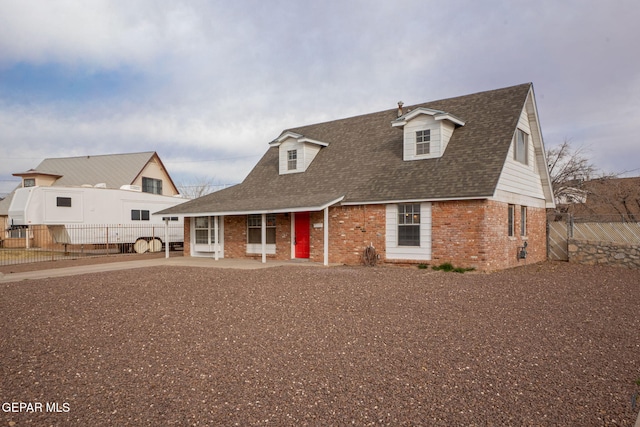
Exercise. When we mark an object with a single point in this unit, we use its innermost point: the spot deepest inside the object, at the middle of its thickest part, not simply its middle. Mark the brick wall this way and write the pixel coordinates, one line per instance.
(466, 233)
(187, 237)
(473, 233)
(351, 230)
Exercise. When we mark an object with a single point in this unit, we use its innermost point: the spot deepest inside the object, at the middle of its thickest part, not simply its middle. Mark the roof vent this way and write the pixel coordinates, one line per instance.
(400, 104)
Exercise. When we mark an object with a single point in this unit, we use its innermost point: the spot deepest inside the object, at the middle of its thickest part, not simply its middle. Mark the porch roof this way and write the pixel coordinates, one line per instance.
(230, 202)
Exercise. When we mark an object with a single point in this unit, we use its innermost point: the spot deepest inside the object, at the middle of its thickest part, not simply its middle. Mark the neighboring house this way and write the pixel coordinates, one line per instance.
(144, 170)
(606, 199)
(461, 180)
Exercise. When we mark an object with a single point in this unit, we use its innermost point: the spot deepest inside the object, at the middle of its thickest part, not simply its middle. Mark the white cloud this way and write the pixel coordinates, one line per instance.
(98, 33)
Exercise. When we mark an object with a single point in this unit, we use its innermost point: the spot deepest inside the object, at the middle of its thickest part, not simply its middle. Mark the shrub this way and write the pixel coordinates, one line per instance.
(447, 266)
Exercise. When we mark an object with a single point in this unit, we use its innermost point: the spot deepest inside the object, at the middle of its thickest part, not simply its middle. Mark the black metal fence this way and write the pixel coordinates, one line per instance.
(72, 241)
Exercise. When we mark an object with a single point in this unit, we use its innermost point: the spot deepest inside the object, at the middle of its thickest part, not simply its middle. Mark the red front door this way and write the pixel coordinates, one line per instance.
(302, 234)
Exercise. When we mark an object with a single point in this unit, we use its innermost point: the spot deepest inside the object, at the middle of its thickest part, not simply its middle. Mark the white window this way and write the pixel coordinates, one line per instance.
(521, 145)
(205, 229)
(423, 142)
(409, 224)
(512, 220)
(523, 220)
(292, 160)
(254, 229)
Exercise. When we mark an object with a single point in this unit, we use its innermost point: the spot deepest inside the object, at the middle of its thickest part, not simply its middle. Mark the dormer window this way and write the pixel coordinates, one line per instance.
(423, 142)
(29, 182)
(426, 132)
(292, 160)
(521, 143)
(296, 152)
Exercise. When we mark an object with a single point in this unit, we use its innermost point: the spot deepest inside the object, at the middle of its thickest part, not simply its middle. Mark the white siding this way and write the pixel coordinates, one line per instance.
(306, 153)
(207, 250)
(517, 177)
(422, 253)
(441, 132)
(310, 151)
(288, 145)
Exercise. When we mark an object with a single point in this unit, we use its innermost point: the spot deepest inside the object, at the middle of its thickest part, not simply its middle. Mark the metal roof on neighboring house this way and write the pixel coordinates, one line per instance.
(114, 170)
(363, 161)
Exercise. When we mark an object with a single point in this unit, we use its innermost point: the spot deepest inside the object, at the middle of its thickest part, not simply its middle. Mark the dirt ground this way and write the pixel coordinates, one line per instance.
(543, 345)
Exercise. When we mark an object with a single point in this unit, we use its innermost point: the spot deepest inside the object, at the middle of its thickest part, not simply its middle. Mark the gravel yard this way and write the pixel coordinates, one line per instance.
(553, 344)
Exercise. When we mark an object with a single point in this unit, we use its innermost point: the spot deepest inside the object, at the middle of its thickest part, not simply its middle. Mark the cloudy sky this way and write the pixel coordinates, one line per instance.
(207, 84)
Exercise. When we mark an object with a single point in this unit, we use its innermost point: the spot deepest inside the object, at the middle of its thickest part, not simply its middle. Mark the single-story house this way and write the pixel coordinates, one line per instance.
(461, 180)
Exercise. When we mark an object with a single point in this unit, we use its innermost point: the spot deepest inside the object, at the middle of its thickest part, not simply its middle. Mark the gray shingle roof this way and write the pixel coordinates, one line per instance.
(363, 161)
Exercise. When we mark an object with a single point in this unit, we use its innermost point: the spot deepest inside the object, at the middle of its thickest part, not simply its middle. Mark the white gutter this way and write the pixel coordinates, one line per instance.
(259, 211)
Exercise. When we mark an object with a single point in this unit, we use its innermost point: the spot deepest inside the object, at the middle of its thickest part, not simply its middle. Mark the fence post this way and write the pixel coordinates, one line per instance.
(570, 226)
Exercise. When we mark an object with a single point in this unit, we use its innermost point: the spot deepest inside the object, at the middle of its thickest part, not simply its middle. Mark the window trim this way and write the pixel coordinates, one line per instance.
(254, 222)
(409, 219)
(511, 220)
(423, 142)
(523, 221)
(292, 160)
(521, 147)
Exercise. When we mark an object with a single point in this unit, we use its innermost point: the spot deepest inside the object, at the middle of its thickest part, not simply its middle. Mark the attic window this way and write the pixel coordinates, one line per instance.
(521, 147)
(292, 160)
(29, 182)
(423, 142)
(151, 185)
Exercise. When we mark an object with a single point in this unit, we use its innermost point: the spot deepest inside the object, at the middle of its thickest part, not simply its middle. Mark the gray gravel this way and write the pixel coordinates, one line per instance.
(552, 344)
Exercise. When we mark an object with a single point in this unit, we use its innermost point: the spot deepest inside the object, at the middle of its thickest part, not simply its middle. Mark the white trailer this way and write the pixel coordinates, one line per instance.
(96, 215)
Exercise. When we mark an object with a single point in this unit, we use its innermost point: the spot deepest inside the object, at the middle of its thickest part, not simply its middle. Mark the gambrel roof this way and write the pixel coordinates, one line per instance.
(362, 161)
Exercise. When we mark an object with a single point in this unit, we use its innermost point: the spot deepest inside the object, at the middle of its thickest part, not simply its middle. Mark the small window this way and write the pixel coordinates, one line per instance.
(523, 220)
(512, 220)
(151, 185)
(139, 215)
(29, 182)
(64, 202)
(292, 160)
(521, 147)
(254, 229)
(409, 224)
(423, 142)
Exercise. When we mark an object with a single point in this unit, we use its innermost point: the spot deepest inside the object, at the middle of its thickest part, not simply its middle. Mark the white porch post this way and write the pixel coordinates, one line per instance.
(264, 237)
(216, 244)
(326, 235)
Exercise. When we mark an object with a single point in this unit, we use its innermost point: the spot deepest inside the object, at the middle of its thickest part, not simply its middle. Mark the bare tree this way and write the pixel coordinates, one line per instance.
(195, 189)
(568, 168)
